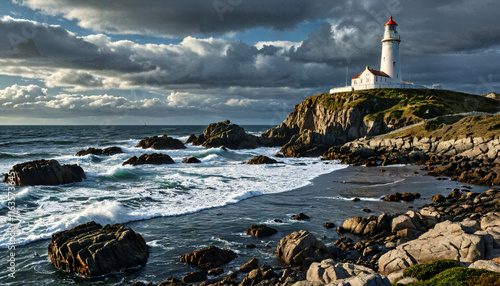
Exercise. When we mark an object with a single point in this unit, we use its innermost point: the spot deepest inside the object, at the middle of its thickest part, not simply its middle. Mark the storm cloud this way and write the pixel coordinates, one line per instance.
(455, 43)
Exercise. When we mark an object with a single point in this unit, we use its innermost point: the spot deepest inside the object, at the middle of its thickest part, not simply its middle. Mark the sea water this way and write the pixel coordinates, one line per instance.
(113, 193)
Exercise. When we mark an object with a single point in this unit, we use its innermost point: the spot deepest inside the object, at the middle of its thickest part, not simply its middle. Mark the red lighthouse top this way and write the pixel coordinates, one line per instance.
(391, 22)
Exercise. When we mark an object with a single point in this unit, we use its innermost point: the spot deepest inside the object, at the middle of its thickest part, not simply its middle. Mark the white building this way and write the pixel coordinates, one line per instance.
(389, 75)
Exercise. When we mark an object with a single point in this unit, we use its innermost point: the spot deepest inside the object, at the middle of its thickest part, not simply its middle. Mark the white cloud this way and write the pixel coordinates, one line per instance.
(17, 94)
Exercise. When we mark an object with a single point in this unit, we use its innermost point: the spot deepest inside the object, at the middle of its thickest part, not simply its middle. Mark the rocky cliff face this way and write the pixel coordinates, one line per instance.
(331, 119)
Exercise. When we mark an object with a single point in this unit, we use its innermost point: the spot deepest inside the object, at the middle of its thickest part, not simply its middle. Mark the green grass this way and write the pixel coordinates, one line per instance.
(445, 273)
(429, 270)
(402, 107)
(485, 126)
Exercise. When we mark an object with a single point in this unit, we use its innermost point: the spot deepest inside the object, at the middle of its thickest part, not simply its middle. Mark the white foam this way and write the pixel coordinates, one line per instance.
(350, 198)
(159, 190)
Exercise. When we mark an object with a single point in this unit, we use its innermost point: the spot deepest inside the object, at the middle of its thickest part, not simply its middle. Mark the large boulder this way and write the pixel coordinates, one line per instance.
(150, 159)
(444, 241)
(161, 143)
(44, 172)
(191, 160)
(260, 230)
(405, 197)
(94, 151)
(208, 257)
(370, 226)
(261, 160)
(301, 248)
(92, 250)
(328, 271)
(228, 135)
(301, 145)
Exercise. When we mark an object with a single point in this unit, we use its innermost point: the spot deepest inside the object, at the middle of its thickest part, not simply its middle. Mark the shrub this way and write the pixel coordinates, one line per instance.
(429, 270)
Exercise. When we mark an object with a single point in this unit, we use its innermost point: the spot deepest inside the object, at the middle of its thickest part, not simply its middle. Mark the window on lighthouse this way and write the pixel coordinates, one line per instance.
(393, 64)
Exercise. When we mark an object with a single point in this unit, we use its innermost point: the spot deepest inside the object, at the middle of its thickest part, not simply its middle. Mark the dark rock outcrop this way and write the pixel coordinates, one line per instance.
(161, 143)
(152, 159)
(262, 160)
(326, 120)
(301, 145)
(250, 265)
(191, 160)
(94, 151)
(259, 230)
(226, 134)
(195, 276)
(92, 250)
(405, 197)
(467, 150)
(44, 172)
(209, 257)
(301, 216)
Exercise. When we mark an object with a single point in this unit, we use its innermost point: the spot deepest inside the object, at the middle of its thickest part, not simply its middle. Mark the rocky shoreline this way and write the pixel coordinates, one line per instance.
(466, 223)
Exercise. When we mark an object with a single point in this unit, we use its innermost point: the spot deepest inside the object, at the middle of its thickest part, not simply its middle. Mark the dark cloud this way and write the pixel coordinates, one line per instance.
(180, 18)
(454, 43)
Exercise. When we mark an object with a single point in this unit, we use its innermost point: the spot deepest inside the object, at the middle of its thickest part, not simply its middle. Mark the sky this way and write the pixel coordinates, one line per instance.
(171, 62)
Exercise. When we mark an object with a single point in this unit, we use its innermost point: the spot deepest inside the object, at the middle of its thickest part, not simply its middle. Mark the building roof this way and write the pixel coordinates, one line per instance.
(373, 72)
(391, 22)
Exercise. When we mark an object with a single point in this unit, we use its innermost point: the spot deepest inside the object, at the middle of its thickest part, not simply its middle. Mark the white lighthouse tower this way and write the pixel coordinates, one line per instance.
(390, 62)
(389, 75)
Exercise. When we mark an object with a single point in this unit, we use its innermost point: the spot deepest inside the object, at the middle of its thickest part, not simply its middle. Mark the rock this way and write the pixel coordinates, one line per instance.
(407, 280)
(329, 225)
(195, 276)
(301, 145)
(363, 280)
(406, 197)
(301, 248)
(356, 199)
(250, 265)
(106, 151)
(216, 272)
(161, 143)
(455, 194)
(191, 160)
(402, 222)
(250, 246)
(366, 210)
(262, 160)
(209, 257)
(229, 135)
(486, 264)
(92, 250)
(444, 241)
(151, 159)
(438, 198)
(45, 172)
(328, 271)
(301, 216)
(226, 281)
(490, 220)
(260, 230)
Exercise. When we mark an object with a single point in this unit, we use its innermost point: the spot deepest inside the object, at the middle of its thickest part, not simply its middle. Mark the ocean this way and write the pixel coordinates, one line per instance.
(113, 193)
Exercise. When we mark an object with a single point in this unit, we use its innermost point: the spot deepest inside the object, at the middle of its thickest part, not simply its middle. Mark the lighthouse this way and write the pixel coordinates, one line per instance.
(390, 61)
(389, 75)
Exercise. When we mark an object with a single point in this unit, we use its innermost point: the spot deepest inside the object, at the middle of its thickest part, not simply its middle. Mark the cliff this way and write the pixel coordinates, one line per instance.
(325, 120)
(466, 149)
